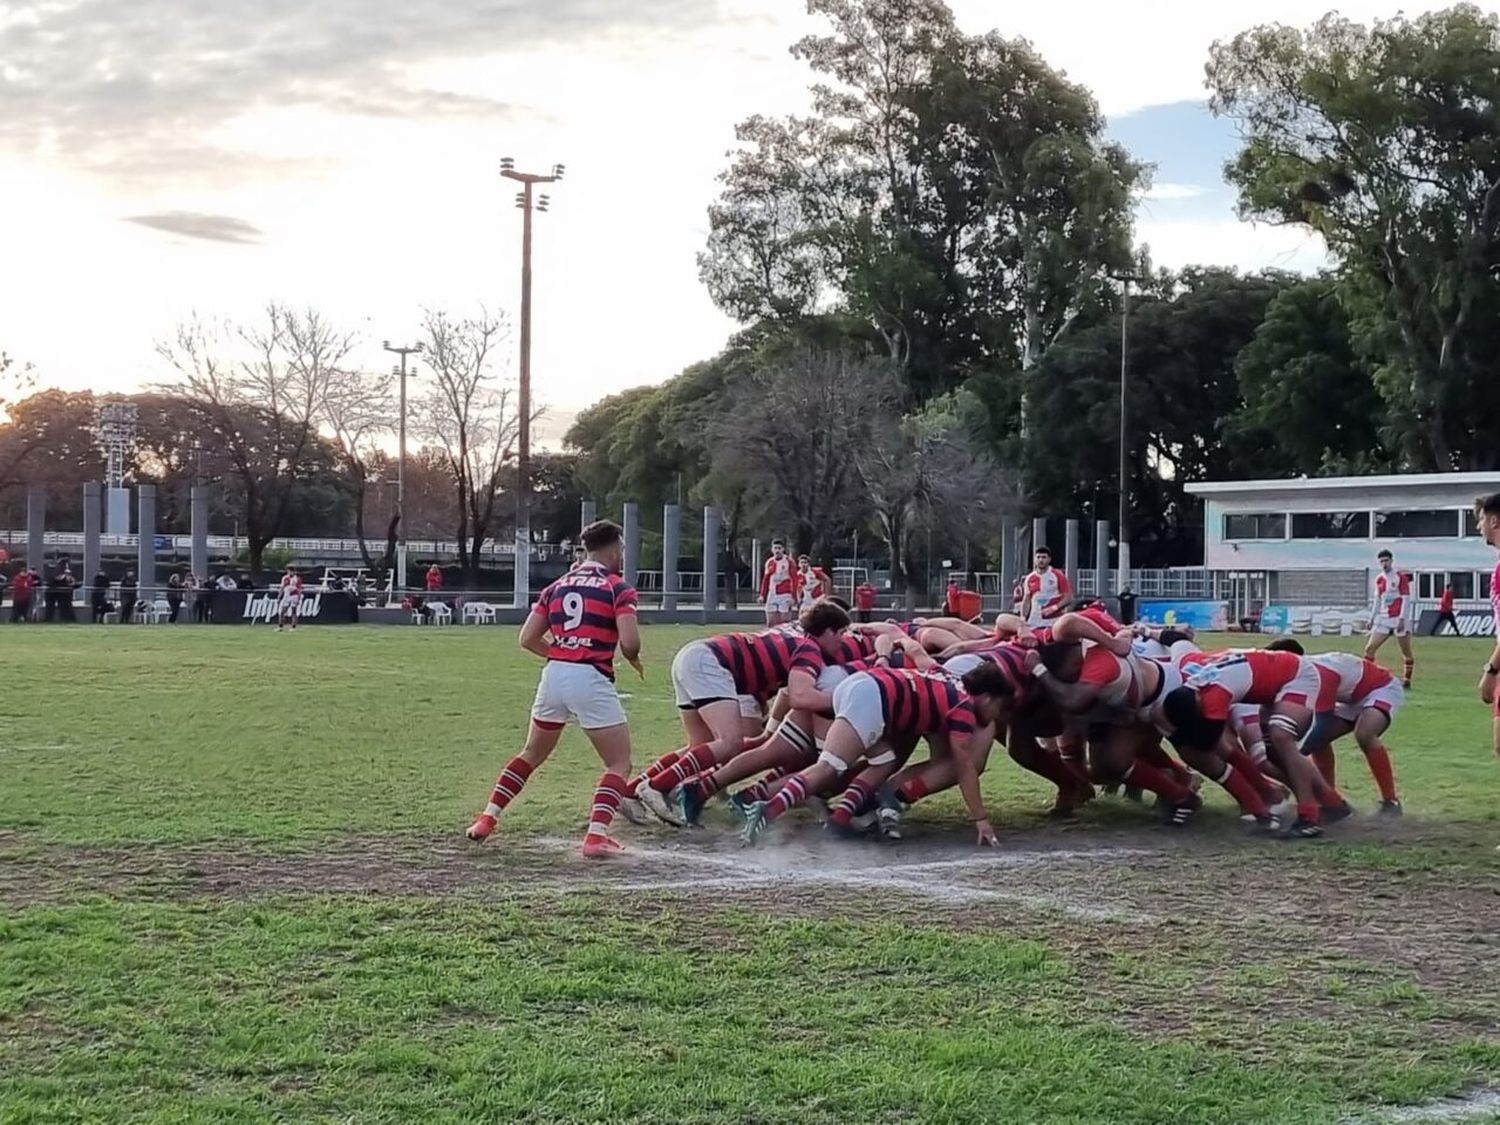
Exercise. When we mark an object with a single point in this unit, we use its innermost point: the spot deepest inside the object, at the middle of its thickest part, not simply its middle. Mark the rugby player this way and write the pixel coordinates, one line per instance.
(1047, 590)
(778, 585)
(576, 626)
(1391, 615)
(1487, 516)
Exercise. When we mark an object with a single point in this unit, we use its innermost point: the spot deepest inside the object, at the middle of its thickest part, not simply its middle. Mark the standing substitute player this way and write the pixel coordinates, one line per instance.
(1391, 615)
(575, 626)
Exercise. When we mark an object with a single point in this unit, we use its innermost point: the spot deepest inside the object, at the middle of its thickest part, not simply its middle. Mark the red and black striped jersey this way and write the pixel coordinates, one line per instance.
(1010, 658)
(854, 647)
(582, 610)
(920, 703)
(759, 662)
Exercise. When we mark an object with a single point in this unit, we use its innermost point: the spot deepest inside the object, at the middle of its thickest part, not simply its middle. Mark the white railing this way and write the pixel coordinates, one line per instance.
(235, 544)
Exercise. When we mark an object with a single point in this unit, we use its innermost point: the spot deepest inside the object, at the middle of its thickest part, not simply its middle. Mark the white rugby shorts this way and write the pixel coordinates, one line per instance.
(578, 692)
(857, 702)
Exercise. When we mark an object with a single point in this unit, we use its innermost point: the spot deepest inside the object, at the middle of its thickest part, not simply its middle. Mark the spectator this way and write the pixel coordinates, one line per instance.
(174, 596)
(227, 582)
(1445, 612)
(99, 600)
(67, 589)
(434, 579)
(129, 591)
(580, 556)
(20, 595)
(864, 601)
(950, 602)
(202, 595)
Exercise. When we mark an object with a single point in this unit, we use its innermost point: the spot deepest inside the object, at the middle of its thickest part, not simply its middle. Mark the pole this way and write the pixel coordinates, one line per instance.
(403, 351)
(523, 445)
(1124, 524)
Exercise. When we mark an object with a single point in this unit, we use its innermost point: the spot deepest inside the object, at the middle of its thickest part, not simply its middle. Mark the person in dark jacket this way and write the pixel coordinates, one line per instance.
(129, 591)
(99, 597)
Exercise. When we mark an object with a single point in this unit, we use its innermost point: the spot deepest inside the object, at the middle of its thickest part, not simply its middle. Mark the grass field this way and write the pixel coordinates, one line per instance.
(233, 888)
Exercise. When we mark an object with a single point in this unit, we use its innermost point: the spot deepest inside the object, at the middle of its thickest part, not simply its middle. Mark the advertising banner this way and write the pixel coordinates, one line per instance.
(1211, 617)
(246, 607)
(1471, 623)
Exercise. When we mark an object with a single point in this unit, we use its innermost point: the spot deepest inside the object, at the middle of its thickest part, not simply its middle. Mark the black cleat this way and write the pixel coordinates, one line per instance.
(1343, 812)
(1303, 830)
(1180, 814)
(1391, 809)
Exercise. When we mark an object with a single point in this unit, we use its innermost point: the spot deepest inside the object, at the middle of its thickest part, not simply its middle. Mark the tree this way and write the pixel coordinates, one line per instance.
(1184, 398)
(809, 411)
(1305, 390)
(469, 415)
(953, 194)
(357, 408)
(261, 390)
(1384, 140)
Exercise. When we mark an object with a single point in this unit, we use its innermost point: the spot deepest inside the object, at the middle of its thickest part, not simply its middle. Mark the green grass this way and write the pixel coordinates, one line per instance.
(479, 999)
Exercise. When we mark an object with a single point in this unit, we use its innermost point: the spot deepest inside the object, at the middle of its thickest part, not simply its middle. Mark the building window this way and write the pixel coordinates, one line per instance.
(1330, 525)
(1429, 586)
(1463, 585)
(1271, 526)
(1471, 525)
(1436, 523)
(1484, 586)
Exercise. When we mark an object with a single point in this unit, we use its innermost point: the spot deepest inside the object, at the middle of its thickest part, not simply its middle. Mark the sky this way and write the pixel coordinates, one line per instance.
(161, 158)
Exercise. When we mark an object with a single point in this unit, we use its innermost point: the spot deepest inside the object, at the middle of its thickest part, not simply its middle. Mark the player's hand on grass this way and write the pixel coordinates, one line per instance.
(987, 837)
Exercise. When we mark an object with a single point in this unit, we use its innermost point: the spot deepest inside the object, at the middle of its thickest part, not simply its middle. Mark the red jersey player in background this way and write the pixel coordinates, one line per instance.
(1392, 614)
(812, 583)
(778, 585)
(1047, 590)
(1487, 516)
(576, 626)
(290, 601)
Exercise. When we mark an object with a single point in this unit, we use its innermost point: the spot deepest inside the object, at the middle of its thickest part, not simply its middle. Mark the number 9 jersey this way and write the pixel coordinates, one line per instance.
(581, 609)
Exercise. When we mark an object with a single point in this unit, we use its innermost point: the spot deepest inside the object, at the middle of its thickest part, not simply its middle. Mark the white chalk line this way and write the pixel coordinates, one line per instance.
(1481, 1104)
(811, 868)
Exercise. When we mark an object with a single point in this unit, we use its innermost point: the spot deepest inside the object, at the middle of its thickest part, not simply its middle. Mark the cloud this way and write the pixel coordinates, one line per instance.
(133, 89)
(193, 224)
(1170, 192)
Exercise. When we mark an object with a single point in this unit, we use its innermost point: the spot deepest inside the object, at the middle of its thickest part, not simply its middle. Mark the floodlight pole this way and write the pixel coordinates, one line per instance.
(527, 201)
(403, 351)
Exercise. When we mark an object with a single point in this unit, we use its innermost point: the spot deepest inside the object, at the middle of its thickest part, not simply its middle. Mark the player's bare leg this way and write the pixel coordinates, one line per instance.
(842, 751)
(726, 728)
(1375, 642)
(612, 744)
(541, 740)
(1284, 732)
(1369, 732)
(791, 746)
(915, 783)
(1118, 757)
(1408, 659)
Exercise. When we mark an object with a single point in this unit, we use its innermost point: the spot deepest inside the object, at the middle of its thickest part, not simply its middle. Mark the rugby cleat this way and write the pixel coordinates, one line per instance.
(819, 808)
(596, 846)
(1180, 814)
(1301, 829)
(1391, 809)
(689, 804)
(739, 806)
(865, 822)
(480, 830)
(635, 812)
(755, 824)
(662, 806)
(1341, 812)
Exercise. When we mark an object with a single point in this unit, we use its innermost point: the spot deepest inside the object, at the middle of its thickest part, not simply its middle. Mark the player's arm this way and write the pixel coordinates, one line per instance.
(802, 692)
(1491, 675)
(1073, 698)
(534, 634)
(630, 641)
(913, 655)
(963, 648)
(765, 582)
(1075, 627)
(1026, 600)
(965, 746)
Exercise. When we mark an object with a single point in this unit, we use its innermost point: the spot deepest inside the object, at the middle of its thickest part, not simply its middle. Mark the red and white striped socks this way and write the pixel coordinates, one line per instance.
(508, 785)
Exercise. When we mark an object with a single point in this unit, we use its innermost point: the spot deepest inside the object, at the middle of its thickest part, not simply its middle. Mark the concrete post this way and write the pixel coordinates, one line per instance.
(521, 583)
(93, 512)
(1101, 559)
(710, 562)
(146, 541)
(588, 512)
(1070, 551)
(198, 514)
(757, 562)
(632, 542)
(117, 511)
(1039, 533)
(36, 527)
(671, 549)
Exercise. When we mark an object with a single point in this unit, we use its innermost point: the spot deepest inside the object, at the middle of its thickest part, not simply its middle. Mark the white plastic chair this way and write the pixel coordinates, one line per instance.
(441, 614)
(161, 610)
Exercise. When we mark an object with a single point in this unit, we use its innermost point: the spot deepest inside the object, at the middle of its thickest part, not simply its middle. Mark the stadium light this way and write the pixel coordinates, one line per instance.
(528, 202)
(399, 370)
(1122, 532)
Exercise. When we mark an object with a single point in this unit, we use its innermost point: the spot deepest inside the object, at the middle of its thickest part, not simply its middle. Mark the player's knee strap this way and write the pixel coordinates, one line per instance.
(1284, 723)
(884, 758)
(833, 761)
(790, 732)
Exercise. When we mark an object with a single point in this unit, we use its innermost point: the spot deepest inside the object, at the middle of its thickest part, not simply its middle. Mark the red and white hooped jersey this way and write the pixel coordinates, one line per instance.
(1392, 595)
(1262, 678)
(291, 586)
(779, 579)
(810, 586)
(1049, 589)
(1357, 677)
(1495, 597)
(1114, 676)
